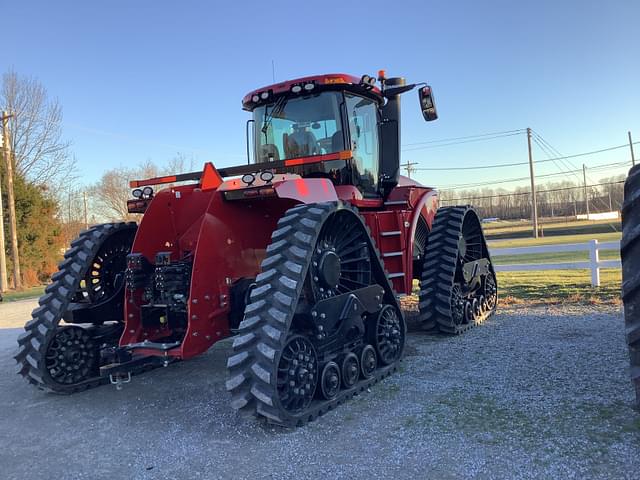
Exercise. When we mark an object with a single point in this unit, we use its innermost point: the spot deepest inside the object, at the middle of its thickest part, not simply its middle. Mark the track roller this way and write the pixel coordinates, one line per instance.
(368, 361)
(350, 370)
(330, 380)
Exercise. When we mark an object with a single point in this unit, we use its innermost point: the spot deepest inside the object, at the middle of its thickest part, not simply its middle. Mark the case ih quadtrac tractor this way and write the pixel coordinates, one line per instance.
(301, 254)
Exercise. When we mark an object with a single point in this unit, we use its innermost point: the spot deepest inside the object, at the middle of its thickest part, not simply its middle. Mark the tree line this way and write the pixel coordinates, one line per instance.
(554, 199)
(51, 206)
(43, 166)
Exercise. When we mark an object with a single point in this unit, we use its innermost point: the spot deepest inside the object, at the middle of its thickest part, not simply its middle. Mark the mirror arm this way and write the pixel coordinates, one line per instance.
(394, 91)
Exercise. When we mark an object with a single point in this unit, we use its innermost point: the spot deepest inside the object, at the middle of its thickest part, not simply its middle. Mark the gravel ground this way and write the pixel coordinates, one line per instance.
(534, 393)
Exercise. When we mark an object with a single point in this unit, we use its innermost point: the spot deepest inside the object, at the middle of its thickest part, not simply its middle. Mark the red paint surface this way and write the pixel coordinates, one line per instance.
(307, 190)
(227, 241)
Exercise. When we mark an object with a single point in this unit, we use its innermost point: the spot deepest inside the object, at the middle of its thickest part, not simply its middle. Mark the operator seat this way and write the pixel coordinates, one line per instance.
(337, 142)
(268, 153)
(300, 144)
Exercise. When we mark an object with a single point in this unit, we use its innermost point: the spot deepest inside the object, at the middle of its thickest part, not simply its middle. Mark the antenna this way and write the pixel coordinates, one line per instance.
(273, 71)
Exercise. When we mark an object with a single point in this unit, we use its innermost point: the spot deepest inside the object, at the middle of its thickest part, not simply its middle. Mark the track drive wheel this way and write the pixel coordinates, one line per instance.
(448, 303)
(630, 253)
(65, 359)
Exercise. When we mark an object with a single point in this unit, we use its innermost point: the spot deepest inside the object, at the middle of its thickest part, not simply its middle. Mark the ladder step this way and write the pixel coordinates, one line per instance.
(390, 234)
(396, 202)
(395, 275)
(392, 254)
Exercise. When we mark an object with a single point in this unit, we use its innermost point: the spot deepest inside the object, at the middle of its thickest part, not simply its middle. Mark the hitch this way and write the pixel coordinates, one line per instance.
(125, 363)
(119, 379)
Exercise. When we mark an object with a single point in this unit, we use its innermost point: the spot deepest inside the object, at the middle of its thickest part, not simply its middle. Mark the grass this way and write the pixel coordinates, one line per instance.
(551, 228)
(554, 257)
(15, 295)
(576, 238)
(552, 286)
(559, 286)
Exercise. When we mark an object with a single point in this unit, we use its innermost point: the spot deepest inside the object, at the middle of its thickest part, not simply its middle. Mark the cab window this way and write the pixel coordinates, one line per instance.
(295, 127)
(362, 115)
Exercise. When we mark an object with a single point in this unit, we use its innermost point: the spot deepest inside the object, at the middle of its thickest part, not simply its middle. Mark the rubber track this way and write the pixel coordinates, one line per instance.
(439, 271)
(630, 253)
(253, 362)
(33, 343)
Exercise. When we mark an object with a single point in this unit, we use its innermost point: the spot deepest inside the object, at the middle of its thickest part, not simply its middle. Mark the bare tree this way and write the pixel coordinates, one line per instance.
(109, 196)
(41, 155)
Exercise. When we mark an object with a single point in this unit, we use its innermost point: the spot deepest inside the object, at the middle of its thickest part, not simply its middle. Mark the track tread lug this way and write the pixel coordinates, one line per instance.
(252, 365)
(439, 268)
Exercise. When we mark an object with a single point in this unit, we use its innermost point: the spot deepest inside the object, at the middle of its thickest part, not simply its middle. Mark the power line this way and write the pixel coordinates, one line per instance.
(529, 193)
(559, 157)
(460, 142)
(451, 139)
(564, 162)
(520, 179)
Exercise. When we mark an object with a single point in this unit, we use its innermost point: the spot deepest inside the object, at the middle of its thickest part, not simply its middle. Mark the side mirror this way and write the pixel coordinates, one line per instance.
(427, 104)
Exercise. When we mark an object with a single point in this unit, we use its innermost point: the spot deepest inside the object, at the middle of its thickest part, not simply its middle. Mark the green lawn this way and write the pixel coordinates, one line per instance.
(551, 228)
(555, 286)
(576, 238)
(31, 292)
(579, 256)
(552, 257)
(559, 286)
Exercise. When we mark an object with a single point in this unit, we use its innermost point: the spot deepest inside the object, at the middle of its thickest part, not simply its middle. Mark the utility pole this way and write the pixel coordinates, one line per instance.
(586, 197)
(8, 160)
(534, 200)
(86, 218)
(409, 167)
(4, 283)
(633, 158)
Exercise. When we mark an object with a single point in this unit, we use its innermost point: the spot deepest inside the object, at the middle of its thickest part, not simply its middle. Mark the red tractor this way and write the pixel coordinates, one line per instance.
(301, 254)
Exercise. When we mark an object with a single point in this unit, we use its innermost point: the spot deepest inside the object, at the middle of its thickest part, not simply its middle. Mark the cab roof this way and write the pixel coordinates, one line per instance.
(302, 85)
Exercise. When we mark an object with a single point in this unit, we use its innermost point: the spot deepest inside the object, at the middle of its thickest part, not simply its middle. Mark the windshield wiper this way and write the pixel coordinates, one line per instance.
(276, 110)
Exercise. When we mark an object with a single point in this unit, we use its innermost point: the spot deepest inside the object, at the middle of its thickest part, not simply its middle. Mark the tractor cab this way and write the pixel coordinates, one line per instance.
(334, 126)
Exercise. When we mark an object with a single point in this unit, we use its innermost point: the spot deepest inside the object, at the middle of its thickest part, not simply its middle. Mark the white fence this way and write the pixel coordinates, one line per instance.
(594, 263)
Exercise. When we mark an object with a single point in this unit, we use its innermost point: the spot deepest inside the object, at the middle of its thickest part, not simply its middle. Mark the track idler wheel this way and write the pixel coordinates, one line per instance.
(330, 381)
(72, 356)
(350, 370)
(490, 293)
(389, 335)
(297, 374)
(368, 361)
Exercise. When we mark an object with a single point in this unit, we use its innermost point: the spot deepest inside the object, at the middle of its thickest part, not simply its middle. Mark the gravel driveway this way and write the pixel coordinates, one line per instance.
(540, 393)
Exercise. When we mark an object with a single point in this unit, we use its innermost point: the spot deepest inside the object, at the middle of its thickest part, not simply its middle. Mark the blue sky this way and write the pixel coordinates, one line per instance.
(147, 79)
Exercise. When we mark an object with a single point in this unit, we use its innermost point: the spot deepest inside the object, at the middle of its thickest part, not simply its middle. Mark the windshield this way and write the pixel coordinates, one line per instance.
(298, 127)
